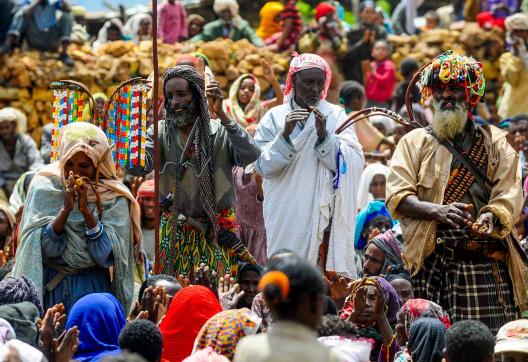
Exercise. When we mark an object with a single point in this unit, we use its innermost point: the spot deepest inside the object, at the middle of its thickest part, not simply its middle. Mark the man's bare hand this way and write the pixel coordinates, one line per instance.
(455, 215)
(484, 225)
(297, 115)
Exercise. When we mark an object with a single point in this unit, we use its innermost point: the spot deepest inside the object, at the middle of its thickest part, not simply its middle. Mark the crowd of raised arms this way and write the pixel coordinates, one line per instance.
(365, 203)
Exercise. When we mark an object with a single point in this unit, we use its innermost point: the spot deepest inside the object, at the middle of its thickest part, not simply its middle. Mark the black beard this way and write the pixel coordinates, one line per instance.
(182, 116)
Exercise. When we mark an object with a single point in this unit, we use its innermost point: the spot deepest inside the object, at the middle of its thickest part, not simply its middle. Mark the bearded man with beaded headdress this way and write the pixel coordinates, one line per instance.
(456, 187)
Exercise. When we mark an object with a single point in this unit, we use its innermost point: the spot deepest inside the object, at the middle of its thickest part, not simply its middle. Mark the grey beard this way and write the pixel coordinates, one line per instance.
(449, 123)
(181, 119)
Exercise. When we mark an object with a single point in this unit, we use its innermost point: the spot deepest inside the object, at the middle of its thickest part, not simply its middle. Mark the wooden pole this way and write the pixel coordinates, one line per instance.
(156, 143)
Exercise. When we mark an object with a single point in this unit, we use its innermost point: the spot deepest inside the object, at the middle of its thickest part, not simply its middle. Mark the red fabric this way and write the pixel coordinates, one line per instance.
(306, 61)
(380, 84)
(323, 9)
(487, 20)
(146, 189)
(188, 312)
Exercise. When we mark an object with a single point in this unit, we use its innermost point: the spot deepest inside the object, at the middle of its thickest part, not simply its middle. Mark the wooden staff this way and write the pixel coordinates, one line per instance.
(156, 145)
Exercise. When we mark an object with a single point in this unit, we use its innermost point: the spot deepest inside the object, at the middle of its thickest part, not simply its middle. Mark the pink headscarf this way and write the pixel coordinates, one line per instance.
(303, 62)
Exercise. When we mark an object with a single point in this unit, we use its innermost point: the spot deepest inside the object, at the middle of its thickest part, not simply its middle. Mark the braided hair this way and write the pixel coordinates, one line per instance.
(201, 158)
(17, 290)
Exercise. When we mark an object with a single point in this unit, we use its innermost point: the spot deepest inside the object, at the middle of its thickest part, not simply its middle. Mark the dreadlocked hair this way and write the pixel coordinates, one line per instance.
(201, 158)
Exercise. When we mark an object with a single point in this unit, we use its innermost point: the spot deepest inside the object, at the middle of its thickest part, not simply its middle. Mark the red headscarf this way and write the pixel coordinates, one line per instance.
(302, 62)
(146, 189)
(323, 9)
(188, 312)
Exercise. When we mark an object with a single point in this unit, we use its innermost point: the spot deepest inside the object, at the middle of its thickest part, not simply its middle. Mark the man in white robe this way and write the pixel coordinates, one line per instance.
(311, 175)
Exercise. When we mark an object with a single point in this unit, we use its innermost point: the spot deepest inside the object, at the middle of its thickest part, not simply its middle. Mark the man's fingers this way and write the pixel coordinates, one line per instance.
(455, 220)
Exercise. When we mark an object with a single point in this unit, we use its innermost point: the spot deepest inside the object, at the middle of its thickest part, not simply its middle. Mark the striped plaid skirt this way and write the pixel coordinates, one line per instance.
(478, 289)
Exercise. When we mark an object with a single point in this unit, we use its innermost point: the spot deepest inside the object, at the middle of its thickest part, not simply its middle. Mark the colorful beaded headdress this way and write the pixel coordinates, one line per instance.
(124, 119)
(452, 69)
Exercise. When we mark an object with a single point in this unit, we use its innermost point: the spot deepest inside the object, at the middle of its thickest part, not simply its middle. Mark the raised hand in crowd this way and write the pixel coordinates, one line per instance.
(184, 281)
(65, 347)
(229, 293)
(268, 72)
(155, 302)
(136, 184)
(215, 99)
(203, 276)
(48, 326)
(339, 286)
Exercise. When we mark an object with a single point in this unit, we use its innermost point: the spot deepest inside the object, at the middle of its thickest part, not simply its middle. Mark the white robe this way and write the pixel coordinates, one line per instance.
(299, 199)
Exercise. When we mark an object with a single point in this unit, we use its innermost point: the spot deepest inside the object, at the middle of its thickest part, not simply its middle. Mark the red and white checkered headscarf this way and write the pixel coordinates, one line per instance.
(303, 62)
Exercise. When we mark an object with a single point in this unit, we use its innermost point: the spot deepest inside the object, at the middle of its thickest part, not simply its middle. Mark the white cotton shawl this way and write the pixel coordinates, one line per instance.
(300, 201)
(364, 195)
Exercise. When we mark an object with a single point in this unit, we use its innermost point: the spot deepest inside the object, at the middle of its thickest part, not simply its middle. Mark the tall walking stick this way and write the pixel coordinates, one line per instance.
(156, 144)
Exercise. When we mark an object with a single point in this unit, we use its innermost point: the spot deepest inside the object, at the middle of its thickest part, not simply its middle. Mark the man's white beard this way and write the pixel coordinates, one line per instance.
(449, 123)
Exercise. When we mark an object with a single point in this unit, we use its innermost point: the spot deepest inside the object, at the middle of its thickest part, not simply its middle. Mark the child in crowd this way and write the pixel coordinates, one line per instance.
(172, 21)
(469, 341)
(379, 76)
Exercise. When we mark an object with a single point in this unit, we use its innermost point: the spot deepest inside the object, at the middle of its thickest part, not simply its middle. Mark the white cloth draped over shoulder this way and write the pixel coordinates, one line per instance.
(299, 198)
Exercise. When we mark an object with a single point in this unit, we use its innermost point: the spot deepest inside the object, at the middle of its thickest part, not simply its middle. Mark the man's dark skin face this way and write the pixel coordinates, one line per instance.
(380, 222)
(373, 261)
(7, 132)
(226, 16)
(309, 86)
(178, 92)
(519, 131)
(248, 283)
(448, 96)
(404, 289)
(148, 207)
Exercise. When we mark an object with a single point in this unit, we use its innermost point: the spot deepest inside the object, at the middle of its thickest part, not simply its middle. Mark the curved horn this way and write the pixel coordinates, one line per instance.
(365, 113)
(408, 93)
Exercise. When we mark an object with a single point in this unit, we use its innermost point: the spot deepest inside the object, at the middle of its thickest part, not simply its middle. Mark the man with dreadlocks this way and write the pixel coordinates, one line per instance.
(456, 187)
(196, 186)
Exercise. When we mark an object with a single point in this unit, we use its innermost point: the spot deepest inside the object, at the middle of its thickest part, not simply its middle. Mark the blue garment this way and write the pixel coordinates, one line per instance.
(73, 287)
(373, 209)
(45, 14)
(100, 319)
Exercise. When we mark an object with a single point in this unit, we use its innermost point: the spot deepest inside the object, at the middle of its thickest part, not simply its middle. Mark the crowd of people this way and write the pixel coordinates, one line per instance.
(294, 224)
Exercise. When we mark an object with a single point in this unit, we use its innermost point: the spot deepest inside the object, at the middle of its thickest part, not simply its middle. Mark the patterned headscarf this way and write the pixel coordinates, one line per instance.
(414, 309)
(224, 330)
(199, 148)
(302, 62)
(146, 190)
(253, 111)
(388, 243)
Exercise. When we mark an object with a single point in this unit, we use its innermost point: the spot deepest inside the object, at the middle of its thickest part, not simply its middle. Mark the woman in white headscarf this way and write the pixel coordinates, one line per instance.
(372, 184)
(139, 27)
(112, 30)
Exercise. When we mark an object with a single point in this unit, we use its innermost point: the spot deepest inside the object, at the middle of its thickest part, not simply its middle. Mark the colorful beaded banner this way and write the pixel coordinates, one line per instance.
(124, 120)
(68, 106)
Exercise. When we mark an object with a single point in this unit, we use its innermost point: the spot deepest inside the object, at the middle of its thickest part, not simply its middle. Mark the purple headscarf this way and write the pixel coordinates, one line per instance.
(388, 243)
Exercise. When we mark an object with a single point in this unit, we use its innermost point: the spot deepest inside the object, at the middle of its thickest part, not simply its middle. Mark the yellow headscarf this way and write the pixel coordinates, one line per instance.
(268, 25)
